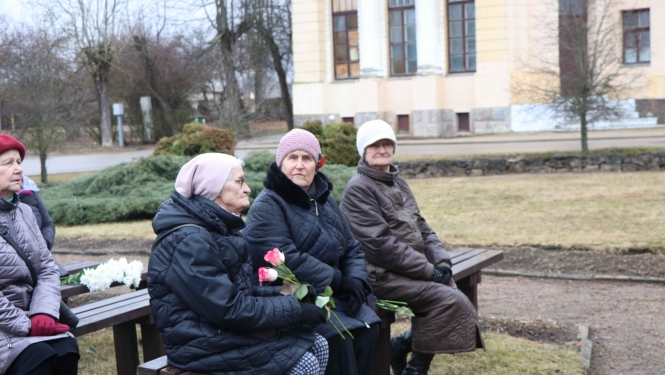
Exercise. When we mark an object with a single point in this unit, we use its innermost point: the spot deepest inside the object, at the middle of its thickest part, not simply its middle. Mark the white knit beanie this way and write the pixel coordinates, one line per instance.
(372, 131)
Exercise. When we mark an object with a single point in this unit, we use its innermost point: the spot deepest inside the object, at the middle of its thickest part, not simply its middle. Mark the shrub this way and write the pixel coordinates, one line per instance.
(258, 161)
(133, 191)
(197, 139)
(128, 191)
(313, 126)
(338, 141)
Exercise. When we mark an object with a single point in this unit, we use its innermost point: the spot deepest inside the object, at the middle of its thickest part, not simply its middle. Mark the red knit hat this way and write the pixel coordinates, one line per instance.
(7, 142)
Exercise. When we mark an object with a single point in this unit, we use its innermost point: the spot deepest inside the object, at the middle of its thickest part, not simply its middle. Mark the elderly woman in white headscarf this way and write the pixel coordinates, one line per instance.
(212, 319)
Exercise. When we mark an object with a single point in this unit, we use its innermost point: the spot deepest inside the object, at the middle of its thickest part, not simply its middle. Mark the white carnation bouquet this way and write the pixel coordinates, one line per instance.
(105, 274)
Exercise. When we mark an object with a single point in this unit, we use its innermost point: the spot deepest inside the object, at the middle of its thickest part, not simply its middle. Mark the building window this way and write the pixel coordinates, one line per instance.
(403, 124)
(345, 38)
(463, 124)
(403, 51)
(636, 37)
(462, 35)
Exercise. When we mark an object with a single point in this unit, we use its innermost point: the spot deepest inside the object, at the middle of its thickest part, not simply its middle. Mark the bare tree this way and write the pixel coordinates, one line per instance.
(45, 91)
(93, 26)
(168, 69)
(272, 21)
(578, 69)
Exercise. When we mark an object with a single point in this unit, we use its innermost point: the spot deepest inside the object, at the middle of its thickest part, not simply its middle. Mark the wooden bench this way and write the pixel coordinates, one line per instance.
(467, 265)
(123, 313)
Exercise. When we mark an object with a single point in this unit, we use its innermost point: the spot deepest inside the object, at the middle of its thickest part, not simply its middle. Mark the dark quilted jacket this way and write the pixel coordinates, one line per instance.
(314, 237)
(201, 293)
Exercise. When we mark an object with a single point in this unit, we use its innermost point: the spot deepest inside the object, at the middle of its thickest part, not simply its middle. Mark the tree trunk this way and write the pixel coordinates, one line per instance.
(42, 162)
(583, 126)
(102, 85)
(283, 84)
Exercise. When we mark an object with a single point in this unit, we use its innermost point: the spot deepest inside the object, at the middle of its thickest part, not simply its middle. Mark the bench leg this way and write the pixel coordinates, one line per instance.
(153, 347)
(469, 286)
(382, 352)
(126, 348)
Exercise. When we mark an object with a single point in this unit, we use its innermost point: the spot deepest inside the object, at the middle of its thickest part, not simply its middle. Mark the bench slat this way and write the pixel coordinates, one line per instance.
(459, 252)
(468, 255)
(476, 263)
(112, 300)
(152, 367)
(75, 267)
(124, 304)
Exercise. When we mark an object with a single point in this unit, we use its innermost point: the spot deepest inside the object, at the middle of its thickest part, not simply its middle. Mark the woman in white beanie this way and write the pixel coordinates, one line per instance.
(406, 261)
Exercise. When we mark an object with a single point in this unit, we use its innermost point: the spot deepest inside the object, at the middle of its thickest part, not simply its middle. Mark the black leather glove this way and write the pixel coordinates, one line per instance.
(354, 288)
(441, 274)
(312, 315)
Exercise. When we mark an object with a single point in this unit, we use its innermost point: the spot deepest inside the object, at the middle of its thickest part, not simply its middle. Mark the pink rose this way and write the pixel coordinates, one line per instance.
(274, 257)
(267, 274)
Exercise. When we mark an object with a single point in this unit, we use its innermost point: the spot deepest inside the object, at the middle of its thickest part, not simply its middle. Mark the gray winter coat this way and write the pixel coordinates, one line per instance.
(18, 300)
(401, 250)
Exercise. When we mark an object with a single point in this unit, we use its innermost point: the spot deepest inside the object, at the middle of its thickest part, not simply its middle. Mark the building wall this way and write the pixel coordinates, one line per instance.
(510, 36)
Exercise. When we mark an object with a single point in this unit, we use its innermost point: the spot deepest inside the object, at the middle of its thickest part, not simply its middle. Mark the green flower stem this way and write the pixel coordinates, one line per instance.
(342, 324)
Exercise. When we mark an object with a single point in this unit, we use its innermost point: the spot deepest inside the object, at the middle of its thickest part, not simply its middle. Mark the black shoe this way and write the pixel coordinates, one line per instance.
(419, 364)
(400, 346)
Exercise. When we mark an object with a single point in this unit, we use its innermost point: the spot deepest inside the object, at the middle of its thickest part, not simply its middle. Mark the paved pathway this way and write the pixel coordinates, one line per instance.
(81, 163)
(503, 143)
(483, 144)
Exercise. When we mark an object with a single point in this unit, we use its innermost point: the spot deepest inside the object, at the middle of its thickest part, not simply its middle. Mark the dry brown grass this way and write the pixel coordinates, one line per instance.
(604, 211)
(98, 353)
(127, 230)
(506, 355)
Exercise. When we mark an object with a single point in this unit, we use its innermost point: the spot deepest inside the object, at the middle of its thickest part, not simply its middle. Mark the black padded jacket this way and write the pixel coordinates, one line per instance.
(212, 319)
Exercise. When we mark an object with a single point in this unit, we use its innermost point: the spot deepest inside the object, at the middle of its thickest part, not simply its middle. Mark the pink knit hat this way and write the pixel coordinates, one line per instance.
(297, 140)
(205, 175)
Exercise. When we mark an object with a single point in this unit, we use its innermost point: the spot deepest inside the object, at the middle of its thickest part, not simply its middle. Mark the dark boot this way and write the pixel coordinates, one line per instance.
(400, 347)
(419, 364)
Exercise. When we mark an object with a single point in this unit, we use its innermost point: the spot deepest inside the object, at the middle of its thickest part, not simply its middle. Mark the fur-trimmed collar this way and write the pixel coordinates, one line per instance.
(278, 182)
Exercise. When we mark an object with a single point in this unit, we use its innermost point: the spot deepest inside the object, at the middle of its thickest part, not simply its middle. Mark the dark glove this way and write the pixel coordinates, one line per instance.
(441, 275)
(312, 315)
(311, 294)
(44, 325)
(354, 288)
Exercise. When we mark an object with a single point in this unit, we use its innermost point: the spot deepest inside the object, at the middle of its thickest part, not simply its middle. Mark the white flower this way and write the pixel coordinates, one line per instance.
(119, 271)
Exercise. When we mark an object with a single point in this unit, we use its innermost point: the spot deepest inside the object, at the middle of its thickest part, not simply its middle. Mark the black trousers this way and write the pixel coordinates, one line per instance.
(57, 357)
(353, 356)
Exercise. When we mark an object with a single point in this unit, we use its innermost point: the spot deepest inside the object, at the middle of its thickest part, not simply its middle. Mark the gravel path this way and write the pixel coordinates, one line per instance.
(627, 319)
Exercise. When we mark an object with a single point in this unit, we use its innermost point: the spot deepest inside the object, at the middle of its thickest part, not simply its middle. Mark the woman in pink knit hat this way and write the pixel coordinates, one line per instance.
(211, 317)
(298, 214)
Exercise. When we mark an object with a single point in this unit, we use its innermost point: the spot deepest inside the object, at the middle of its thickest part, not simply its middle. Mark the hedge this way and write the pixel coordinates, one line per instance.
(133, 191)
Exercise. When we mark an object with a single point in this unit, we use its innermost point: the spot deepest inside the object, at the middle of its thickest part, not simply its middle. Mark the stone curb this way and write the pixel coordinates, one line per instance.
(564, 276)
(101, 252)
(586, 345)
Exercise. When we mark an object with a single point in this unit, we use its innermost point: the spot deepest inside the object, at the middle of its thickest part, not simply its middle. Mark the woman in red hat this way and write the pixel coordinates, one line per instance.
(31, 339)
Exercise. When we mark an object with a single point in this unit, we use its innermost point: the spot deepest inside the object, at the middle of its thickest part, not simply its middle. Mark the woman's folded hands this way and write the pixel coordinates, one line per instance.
(45, 325)
(356, 291)
(441, 274)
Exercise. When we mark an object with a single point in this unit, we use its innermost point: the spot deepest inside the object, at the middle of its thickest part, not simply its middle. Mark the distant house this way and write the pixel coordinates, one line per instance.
(435, 68)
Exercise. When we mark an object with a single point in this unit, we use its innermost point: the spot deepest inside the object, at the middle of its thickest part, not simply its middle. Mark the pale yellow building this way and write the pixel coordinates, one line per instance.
(436, 68)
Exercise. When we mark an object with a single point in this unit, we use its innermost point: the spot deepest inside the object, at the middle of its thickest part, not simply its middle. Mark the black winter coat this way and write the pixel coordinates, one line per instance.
(315, 238)
(202, 297)
(44, 221)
